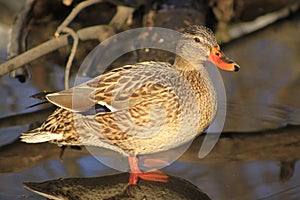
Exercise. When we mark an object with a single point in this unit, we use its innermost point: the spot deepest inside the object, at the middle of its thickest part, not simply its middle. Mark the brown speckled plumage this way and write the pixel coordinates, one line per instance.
(154, 106)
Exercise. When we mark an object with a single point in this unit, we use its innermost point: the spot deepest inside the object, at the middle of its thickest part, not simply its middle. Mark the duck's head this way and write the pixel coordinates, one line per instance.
(199, 44)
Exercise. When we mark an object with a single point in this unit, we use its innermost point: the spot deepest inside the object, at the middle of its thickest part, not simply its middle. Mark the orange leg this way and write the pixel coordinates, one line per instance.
(136, 173)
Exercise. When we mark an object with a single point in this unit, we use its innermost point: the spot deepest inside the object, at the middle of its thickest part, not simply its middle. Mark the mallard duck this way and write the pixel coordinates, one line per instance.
(142, 108)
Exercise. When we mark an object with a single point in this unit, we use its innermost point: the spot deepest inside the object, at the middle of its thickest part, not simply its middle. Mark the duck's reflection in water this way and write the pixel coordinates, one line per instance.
(116, 187)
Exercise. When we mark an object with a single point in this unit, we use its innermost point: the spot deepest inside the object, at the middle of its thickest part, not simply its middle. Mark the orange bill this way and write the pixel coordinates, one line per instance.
(218, 58)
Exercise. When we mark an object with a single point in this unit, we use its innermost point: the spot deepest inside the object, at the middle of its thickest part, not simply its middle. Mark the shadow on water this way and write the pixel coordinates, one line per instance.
(247, 163)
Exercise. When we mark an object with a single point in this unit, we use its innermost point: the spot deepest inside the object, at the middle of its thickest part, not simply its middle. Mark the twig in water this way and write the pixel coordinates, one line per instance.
(25, 118)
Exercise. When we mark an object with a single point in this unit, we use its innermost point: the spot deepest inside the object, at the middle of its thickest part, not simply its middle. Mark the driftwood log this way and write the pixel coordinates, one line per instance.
(280, 145)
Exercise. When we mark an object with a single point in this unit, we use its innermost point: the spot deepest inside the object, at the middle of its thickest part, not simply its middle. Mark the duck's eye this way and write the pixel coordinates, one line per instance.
(197, 39)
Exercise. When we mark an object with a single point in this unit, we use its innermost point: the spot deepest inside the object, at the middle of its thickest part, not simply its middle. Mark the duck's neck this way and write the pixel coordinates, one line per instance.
(184, 66)
(196, 74)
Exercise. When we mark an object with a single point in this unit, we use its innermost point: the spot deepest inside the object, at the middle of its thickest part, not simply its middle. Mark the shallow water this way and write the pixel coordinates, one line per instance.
(263, 95)
(231, 171)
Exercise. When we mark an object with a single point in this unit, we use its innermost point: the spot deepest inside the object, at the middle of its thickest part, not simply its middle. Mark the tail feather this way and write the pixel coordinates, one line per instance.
(37, 136)
(53, 129)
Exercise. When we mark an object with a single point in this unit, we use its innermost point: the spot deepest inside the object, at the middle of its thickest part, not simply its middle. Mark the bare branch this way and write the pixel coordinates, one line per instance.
(241, 29)
(74, 13)
(99, 33)
(17, 41)
(72, 54)
(123, 15)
